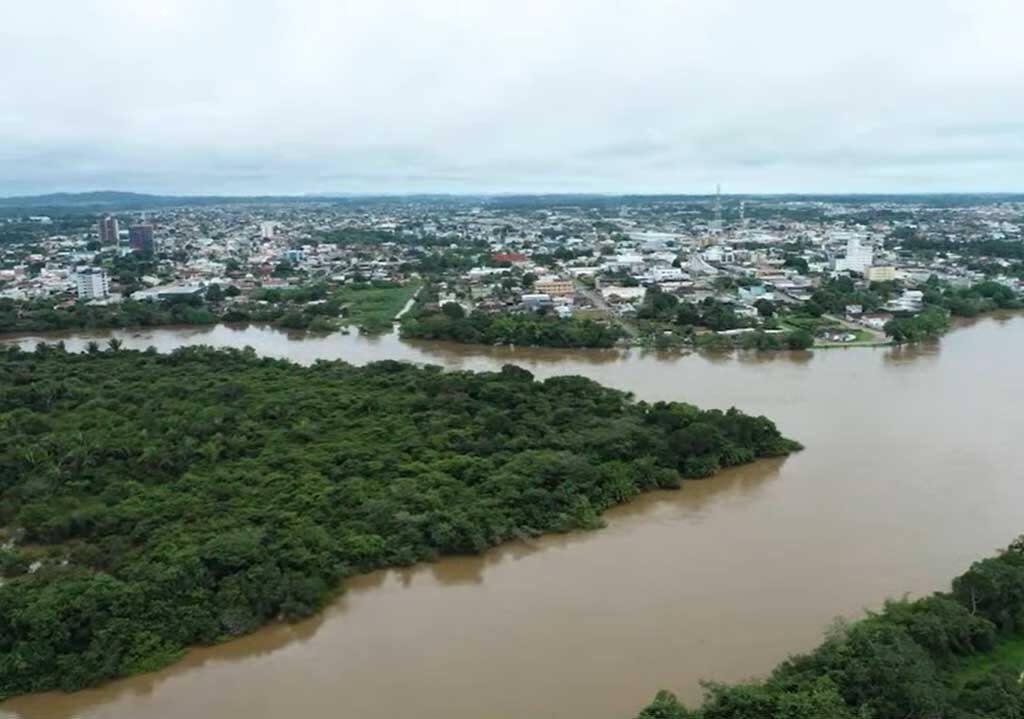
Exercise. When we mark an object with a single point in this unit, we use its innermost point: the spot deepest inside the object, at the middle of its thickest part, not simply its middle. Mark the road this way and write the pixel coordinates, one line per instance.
(876, 336)
(409, 304)
(599, 302)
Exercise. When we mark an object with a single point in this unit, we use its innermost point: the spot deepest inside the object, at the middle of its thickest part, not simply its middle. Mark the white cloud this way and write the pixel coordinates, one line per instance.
(646, 96)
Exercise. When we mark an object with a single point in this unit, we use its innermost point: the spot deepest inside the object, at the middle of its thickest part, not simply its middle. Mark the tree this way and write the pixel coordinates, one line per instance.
(797, 263)
(664, 706)
(929, 323)
(765, 308)
(453, 310)
(214, 293)
(799, 340)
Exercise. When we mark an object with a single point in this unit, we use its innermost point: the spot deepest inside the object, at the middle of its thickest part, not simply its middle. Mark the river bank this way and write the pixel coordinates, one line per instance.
(320, 344)
(909, 474)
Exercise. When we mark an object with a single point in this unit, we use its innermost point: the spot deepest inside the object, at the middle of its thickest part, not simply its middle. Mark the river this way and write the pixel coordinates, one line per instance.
(912, 470)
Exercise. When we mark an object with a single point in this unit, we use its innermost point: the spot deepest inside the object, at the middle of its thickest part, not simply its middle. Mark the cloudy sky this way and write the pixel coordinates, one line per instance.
(294, 96)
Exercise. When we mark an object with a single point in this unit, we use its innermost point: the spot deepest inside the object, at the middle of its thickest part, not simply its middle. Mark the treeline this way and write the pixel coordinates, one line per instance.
(663, 307)
(943, 299)
(1004, 249)
(973, 300)
(710, 313)
(931, 322)
(526, 329)
(833, 295)
(150, 502)
(316, 307)
(911, 659)
(798, 339)
(42, 316)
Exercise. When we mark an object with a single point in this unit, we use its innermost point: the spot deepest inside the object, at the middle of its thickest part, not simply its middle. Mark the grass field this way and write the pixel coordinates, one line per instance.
(1007, 653)
(374, 307)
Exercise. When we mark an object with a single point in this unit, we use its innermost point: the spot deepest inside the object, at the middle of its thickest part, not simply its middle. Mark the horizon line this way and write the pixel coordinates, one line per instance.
(313, 195)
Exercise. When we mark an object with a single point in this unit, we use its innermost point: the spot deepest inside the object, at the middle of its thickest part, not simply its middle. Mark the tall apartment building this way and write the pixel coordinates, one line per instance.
(108, 230)
(140, 239)
(92, 284)
(859, 256)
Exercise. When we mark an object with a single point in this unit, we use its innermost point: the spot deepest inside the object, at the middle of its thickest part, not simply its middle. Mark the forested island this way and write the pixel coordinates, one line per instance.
(952, 655)
(152, 502)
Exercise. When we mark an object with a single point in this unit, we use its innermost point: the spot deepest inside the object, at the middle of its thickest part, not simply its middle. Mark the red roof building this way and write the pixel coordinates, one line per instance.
(508, 257)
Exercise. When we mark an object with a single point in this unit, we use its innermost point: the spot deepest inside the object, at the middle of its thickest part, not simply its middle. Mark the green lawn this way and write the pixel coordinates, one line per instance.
(1007, 653)
(802, 322)
(375, 307)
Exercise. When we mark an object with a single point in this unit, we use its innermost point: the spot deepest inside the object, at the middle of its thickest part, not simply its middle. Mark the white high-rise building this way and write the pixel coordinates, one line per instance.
(92, 284)
(268, 230)
(859, 256)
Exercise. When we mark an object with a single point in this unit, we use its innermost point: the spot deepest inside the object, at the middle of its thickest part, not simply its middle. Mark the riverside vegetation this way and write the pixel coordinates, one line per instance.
(528, 329)
(369, 305)
(151, 502)
(953, 655)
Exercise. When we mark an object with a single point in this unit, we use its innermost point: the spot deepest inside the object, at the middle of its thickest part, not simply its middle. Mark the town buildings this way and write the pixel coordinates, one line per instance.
(140, 239)
(92, 284)
(108, 231)
(586, 256)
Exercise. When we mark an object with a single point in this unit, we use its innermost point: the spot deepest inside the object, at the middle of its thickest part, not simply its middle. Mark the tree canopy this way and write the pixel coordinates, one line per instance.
(512, 329)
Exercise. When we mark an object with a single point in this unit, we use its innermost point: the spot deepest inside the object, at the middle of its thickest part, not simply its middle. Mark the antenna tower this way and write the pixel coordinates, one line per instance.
(718, 207)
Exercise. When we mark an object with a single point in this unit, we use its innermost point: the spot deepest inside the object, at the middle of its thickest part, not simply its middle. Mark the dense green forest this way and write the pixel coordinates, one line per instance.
(150, 502)
(940, 657)
(512, 329)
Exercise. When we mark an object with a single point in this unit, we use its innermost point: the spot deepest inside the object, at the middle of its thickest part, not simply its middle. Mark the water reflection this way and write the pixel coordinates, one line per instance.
(912, 354)
(505, 355)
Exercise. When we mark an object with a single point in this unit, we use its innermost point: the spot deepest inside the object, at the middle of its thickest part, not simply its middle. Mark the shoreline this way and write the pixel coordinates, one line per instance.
(104, 333)
(778, 450)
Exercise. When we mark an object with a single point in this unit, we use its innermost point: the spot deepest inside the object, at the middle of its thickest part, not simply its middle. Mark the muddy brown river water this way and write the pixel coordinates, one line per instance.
(912, 470)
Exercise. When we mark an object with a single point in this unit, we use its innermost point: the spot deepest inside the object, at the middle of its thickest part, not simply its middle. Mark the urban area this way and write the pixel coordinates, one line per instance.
(716, 271)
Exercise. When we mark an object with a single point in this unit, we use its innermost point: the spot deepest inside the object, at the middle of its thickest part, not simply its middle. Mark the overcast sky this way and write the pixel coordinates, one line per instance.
(251, 96)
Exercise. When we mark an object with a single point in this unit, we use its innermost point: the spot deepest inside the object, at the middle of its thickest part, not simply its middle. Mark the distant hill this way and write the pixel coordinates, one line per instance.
(60, 203)
(80, 199)
(112, 201)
